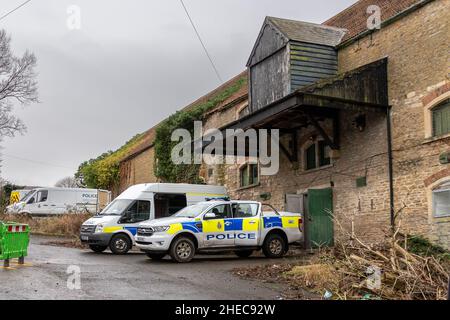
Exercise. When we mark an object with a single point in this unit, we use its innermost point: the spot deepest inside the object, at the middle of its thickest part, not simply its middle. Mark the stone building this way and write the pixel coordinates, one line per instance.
(364, 118)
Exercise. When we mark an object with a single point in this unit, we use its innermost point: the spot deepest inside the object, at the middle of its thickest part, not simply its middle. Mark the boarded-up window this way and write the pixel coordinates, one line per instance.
(441, 118)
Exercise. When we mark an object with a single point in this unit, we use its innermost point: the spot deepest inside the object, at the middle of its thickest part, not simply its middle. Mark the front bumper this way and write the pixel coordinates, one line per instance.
(154, 243)
(99, 239)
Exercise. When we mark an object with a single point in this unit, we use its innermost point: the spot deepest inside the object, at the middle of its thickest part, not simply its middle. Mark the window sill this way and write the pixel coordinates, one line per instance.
(442, 219)
(249, 187)
(437, 138)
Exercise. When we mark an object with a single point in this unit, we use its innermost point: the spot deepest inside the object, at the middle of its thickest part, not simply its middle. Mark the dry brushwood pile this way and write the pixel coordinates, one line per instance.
(402, 274)
(354, 270)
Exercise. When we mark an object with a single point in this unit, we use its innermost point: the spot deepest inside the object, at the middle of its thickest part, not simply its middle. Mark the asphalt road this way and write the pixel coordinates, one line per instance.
(134, 276)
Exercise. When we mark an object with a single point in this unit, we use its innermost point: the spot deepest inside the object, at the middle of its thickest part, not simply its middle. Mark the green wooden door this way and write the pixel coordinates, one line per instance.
(320, 231)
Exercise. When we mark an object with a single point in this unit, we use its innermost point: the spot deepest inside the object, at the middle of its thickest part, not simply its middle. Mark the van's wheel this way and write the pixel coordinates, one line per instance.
(244, 253)
(120, 244)
(182, 250)
(156, 256)
(97, 249)
(274, 246)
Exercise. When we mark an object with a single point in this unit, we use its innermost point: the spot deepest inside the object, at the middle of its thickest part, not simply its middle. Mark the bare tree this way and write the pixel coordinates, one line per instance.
(17, 84)
(67, 182)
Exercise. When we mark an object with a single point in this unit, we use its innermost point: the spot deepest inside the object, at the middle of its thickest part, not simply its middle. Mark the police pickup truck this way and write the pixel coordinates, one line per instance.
(214, 226)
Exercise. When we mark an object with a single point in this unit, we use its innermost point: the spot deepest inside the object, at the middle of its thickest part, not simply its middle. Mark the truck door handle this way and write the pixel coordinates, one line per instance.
(252, 222)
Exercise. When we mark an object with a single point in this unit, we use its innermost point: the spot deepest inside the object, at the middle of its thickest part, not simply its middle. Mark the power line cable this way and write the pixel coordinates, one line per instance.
(34, 161)
(13, 10)
(201, 42)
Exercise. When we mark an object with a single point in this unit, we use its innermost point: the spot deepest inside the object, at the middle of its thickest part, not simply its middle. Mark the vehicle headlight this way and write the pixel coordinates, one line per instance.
(99, 228)
(160, 229)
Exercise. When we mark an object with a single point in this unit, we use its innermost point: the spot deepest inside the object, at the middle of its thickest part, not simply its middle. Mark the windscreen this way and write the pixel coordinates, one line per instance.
(116, 208)
(28, 196)
(192, 211)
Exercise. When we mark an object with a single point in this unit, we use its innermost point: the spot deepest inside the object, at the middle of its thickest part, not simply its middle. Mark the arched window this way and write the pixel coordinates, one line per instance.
(441, 118)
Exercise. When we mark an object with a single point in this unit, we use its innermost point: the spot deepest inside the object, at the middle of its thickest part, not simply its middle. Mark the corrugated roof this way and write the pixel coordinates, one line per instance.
(354, 18)
(308, 32)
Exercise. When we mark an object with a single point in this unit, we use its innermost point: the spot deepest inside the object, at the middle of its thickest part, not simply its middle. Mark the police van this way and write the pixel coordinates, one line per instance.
(240, 226)
(59, 201)
(116, 226)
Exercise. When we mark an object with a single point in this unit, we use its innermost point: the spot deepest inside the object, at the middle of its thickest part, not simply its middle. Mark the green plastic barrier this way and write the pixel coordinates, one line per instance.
(14, 240)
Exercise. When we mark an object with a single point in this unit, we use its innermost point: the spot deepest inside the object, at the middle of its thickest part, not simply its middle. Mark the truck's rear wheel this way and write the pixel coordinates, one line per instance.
(274, 246)
(156, 256)
(182, 250)
(244, 253)
(97, 249)
(120, 244)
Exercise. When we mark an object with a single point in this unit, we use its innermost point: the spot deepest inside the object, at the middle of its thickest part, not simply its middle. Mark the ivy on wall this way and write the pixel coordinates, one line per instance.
(103, 172)
(164, 168)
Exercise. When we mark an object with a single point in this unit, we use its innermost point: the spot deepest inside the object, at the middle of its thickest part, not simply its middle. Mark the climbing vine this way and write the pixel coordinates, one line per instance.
(103, 172)
(164, 168)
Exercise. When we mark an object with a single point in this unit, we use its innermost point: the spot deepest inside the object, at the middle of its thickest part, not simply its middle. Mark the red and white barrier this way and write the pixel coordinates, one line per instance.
(15, 229)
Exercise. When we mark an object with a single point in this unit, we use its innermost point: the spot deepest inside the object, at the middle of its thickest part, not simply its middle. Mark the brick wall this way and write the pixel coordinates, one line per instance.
(136, 170)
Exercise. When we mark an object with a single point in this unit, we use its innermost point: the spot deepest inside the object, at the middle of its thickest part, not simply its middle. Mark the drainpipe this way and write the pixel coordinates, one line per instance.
(391, 166)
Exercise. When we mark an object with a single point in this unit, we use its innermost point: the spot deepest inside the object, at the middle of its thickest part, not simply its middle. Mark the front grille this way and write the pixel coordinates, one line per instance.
(145, 232)
(87, 229)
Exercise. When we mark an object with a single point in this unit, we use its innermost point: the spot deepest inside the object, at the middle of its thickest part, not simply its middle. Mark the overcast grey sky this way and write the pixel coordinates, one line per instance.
(130, 65)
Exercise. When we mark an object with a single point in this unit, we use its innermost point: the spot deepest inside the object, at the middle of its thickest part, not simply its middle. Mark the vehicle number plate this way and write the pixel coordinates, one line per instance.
(84, 238)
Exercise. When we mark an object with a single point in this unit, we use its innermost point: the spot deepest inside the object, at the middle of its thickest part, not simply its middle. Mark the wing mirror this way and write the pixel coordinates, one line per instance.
(30, 201)
(209, 216)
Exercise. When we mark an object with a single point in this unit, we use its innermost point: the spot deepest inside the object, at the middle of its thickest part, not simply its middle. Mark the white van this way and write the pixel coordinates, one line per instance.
(116, 226)
(54, 201)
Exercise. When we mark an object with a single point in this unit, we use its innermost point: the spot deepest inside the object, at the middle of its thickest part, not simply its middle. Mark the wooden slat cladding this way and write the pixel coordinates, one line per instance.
(289, 55)
(310, 63)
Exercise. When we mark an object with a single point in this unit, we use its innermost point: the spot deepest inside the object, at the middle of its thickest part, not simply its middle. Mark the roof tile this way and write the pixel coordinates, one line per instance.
(354, 18)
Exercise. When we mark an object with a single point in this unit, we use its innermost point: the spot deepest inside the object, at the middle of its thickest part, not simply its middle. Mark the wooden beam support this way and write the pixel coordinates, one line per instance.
(337, 130)
(322, 132)
(286, 152)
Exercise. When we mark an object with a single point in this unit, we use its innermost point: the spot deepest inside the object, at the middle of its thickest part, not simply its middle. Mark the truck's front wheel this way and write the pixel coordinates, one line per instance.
(120, 244)
(97, 249)
(182, 250)
(274, 246)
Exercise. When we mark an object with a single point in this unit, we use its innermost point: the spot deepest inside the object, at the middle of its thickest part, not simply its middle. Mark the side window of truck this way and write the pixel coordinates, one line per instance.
(245, 210)
(42, 196)
(222, 211)
(138, 212)
(143, 211)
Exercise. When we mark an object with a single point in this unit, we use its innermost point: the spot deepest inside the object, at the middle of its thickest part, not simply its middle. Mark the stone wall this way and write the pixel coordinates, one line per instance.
(364, 207)
(417, 47)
